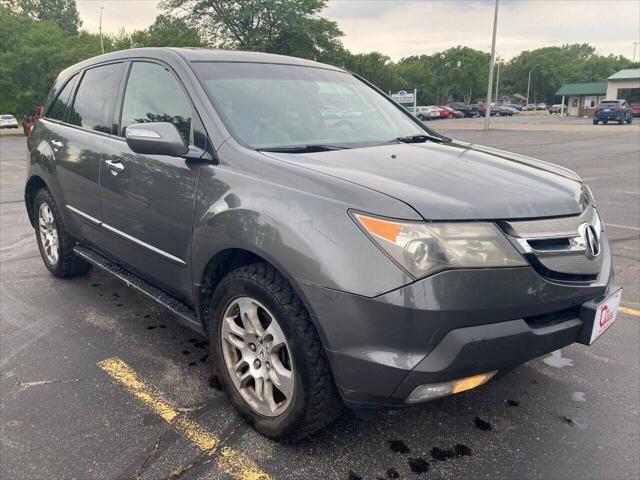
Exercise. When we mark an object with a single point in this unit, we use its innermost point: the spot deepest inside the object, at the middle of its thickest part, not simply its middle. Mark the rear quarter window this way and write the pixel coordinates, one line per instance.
(95, 99)
(59, 109)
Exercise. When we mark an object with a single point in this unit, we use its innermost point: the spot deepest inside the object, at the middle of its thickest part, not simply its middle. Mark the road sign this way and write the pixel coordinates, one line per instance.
(402, 97)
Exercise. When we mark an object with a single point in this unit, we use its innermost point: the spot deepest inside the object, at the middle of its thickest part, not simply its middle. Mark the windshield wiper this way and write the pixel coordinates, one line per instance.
(420, 138)
(303, 148)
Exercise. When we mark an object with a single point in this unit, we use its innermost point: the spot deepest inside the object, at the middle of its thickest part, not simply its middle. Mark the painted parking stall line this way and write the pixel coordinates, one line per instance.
(629, 311)
(231, 462)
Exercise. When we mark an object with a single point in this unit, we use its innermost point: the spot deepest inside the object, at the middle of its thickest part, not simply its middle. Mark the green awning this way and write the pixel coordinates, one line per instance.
(627, 74)
(593, 88)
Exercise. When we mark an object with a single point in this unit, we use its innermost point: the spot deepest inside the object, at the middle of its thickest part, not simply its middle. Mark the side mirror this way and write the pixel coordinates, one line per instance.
(155, 138)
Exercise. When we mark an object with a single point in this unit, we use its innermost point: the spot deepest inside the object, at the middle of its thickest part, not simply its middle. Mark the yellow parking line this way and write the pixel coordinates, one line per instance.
(626, 227)
(629, 311)
(230, 461)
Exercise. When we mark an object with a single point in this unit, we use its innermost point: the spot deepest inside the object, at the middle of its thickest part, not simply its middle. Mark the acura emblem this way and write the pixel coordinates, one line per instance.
(589, 237)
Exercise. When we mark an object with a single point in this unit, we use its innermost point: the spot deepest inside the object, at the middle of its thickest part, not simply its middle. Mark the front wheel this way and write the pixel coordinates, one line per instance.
(55, 244)
(595, 122)
(268, 355)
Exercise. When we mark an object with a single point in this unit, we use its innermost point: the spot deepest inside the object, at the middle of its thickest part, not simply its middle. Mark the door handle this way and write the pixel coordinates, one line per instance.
(115, 166)
(57, 144)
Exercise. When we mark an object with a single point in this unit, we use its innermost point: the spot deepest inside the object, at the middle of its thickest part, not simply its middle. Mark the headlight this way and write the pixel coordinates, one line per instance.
(426, 248)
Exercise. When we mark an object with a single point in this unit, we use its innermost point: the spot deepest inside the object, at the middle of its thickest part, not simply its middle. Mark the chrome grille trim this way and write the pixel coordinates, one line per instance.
(561, 227)
(566, 257)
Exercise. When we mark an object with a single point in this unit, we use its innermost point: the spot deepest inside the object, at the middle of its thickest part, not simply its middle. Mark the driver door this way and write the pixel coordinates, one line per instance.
(148, 200)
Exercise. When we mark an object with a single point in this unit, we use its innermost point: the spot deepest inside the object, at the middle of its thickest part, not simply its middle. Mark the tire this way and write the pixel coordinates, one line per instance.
(421, 118)
(605, 122)
(621, 121)
(595, 122)
(629, 120)
(314, 402)
(59, 257)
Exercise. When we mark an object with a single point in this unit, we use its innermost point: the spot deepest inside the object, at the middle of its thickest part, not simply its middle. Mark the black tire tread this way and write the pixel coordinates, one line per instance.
(69, 265)
(323, 401)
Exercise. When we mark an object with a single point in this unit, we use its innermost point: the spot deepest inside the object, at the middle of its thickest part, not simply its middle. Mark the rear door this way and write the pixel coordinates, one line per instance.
(78, 142)
(148, 200)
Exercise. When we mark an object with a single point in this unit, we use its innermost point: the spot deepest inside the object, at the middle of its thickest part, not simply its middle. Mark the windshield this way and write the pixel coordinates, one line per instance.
(271, 106)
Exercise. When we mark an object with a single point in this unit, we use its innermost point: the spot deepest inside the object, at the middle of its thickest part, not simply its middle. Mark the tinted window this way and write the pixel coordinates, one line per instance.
(154, 95)
(93, 106)
(60, 107)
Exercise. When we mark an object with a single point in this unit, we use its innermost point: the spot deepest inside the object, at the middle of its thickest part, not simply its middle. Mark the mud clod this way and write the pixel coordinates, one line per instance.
(151, 327)
(392, 473)
(398, 446)
(462, 450)
(513, 403)
(441, 455)
(418, 465)
(482, 425)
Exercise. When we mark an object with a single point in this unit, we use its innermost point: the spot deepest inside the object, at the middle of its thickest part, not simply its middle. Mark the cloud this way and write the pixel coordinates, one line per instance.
(412, 27)
(404, 28)
(128, 14)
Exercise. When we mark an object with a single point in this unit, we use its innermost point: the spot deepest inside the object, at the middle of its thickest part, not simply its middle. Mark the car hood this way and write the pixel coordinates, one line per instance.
(454, 180)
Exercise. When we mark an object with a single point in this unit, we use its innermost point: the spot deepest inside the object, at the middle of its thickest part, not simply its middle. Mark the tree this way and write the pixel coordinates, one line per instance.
(376, 68)
(32, 54)
(61, 12)
(292, 27)
(165, 31)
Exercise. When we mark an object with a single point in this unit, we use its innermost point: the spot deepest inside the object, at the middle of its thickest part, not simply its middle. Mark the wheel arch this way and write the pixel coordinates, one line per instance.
(33, 186)
(225, 261)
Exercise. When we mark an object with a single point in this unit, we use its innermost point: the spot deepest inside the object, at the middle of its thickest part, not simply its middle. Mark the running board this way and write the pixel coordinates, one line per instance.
(186, 314)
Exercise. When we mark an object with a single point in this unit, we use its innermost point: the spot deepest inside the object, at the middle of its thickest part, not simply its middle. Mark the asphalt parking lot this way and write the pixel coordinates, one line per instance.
(97, 382)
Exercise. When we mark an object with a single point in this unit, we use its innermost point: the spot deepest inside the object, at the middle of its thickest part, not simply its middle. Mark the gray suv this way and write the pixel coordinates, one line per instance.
(362, 260)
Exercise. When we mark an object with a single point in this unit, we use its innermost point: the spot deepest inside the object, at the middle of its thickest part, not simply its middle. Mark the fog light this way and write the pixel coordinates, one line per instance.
(431, 391)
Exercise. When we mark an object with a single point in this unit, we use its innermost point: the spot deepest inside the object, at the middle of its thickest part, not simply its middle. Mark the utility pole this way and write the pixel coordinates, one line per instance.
(487, 112)
(498, 80)
(100, 28)
(529, 83)
(635, 44)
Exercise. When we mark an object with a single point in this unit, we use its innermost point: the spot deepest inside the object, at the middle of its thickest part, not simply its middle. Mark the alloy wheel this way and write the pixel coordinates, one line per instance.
(48, 234)
(257, 356)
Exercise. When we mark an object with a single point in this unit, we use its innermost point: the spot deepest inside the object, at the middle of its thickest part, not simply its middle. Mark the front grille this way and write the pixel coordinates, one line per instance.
(574, 264)
(551, 227)
(547, 243)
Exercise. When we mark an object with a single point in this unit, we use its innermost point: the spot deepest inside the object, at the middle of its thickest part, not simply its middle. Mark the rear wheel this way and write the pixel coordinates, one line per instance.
(595, 122)
(268, 355)
(422, 118)
(55, 244)
(605, 121)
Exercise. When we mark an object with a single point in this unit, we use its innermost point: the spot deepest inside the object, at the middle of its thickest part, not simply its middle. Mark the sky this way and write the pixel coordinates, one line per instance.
(413, 27)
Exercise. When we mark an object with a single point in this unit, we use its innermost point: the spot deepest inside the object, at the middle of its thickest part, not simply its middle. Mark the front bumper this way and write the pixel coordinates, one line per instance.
(452, 325)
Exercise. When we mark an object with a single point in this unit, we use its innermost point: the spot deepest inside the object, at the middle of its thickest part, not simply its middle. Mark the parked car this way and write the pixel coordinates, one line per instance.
(453, 113)
(501, 110)
(530, 107)
(612, 110)
(541, 106)
(8, 121)
(369, 261)
(443, 112)
(516, 106)
(425, 113)
(467, 110)
(556, 108)
(635, 109)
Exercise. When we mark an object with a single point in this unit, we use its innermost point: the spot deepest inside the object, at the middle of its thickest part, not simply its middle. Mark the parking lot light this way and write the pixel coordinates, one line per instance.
(431, 391)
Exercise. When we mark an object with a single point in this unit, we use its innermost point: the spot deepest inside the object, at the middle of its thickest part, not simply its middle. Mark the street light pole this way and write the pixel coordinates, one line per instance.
(497, 80)
(635, 44)
(487, 113)
(100, 28)
(529, 83)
